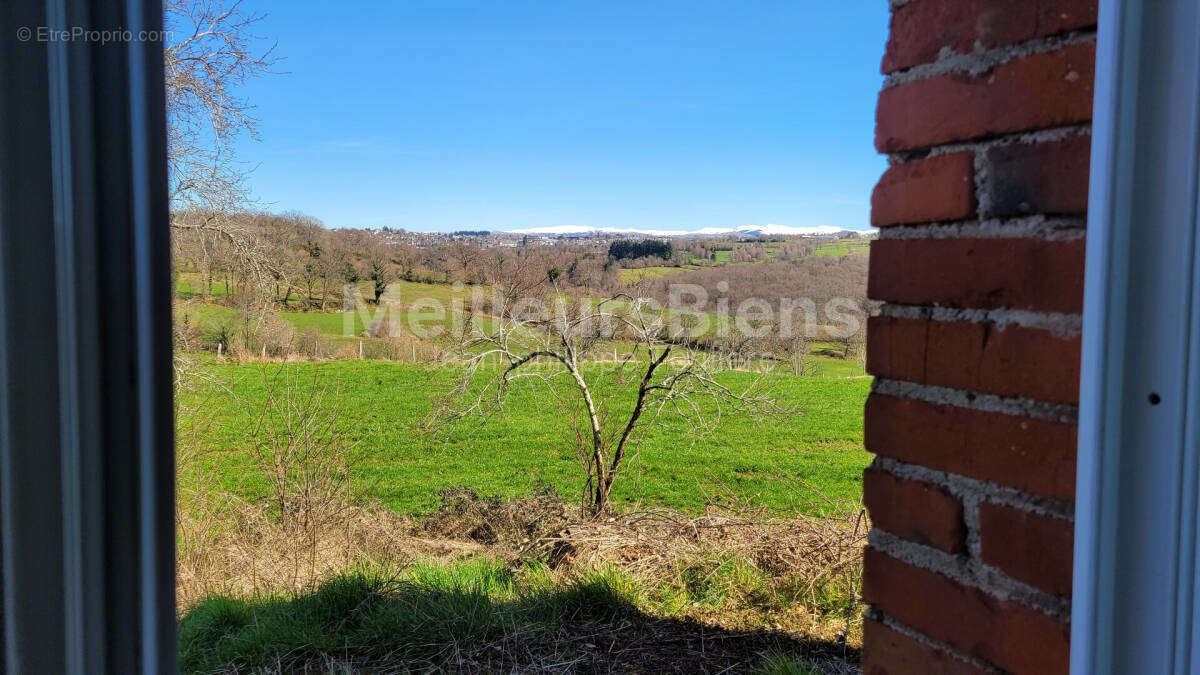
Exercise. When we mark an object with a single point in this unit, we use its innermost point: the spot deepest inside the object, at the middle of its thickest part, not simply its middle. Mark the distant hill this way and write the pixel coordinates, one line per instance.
(740, 231)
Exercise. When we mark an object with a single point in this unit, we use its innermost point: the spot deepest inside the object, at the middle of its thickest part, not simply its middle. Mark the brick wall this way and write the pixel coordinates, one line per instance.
(985, 118)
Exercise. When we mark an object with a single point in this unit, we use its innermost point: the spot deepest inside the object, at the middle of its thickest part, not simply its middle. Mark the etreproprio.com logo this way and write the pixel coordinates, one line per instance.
(82, 34)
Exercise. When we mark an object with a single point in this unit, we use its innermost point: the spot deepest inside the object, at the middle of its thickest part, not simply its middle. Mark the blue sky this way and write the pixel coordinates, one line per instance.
(533, 113)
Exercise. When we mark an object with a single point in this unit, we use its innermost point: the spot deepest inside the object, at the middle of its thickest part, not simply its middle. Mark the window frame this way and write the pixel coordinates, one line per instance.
(86, 410)
(1134, 598)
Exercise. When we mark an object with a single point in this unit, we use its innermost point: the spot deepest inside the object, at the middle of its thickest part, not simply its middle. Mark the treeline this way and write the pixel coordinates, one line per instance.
(629, 249)
(295, 262)
(707, 251)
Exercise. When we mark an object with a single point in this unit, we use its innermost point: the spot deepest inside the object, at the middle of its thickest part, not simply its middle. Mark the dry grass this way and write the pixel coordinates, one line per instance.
(229, 547)
(746, 581)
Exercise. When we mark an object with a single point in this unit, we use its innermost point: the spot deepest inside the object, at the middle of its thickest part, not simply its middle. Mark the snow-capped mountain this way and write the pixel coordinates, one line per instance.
(741, 230)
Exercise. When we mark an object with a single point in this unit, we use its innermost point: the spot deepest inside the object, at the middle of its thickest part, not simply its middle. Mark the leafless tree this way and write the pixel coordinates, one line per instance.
(210, 53)
(556, 345)
(853, 344)
(208, 57)
(463, 258)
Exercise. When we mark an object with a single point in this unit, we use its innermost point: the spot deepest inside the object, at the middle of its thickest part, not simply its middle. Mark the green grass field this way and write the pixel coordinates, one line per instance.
(209, 316)
(190, 285)
(780, 463)
(632, 276)
(725, 257)
(843, 248)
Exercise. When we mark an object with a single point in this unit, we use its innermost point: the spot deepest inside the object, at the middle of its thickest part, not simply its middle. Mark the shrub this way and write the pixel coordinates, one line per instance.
(311, 344)
(267, 334)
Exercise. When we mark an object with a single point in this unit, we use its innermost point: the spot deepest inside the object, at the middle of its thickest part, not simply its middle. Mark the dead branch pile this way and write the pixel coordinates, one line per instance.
(655, 544)
(512, 525)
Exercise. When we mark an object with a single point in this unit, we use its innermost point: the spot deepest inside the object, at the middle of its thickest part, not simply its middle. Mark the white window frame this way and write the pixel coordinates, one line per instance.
(1134, 598)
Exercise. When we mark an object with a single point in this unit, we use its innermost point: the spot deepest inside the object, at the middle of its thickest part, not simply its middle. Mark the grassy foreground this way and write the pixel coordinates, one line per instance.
(819, 450)
(478, 616)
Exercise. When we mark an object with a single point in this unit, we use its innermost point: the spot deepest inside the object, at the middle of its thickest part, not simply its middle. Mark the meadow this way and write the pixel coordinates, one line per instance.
(635, 275)
(843, 247)
(809, 456)
(338, 327)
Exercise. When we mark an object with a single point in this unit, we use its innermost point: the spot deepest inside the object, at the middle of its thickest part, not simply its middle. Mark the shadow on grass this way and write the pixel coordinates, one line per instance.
(477, 617)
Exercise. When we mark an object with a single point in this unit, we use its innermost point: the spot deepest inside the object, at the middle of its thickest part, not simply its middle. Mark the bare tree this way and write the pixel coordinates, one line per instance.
(209, 55)
(463, 258)
(854, 343)
(556, 344)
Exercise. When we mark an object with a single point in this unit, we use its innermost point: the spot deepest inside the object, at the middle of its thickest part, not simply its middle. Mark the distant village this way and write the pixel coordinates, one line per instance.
(511, 239)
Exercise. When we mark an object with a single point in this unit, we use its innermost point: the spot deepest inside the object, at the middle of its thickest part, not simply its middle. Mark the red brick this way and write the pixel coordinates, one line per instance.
(920, 30)
(980, 357)
(1031, 548)
(937, 188)
(1014, 637)
(916, 511)
(1036, 456)
(1038, 91)
(888, 652)
(1032, 274)
(896, 348)
(1038, 177)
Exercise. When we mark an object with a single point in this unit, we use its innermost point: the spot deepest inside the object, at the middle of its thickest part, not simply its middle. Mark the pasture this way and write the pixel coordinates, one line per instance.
(632, 276)
(332, 324)
(793, 464)
(844, 247)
